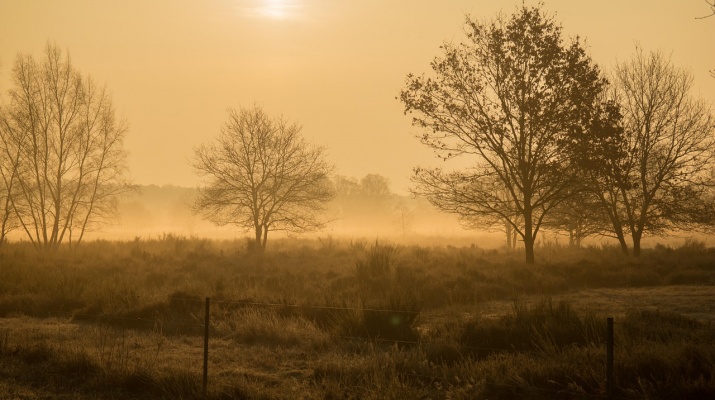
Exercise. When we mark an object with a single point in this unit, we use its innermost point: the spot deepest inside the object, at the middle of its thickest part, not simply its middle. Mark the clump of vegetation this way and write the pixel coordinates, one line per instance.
(542, 327)
(388, 308)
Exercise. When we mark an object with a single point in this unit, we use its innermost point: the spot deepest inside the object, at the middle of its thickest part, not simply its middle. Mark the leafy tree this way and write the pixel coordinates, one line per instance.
(260, 174)
(505, 99)
(63, 147)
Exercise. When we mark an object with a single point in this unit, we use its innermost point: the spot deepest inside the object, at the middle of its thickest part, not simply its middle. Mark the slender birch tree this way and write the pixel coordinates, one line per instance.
(60, 133)
(8, 179)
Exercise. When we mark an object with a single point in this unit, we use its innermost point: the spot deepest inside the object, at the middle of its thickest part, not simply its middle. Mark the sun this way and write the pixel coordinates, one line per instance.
(277, 9)
(272, 9)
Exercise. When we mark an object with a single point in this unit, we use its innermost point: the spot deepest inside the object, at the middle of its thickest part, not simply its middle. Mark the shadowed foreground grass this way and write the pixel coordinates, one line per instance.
(544, 350)
(120, 320)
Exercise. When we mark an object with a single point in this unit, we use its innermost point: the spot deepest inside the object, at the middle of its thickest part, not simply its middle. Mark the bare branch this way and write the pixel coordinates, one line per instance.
(710, 3)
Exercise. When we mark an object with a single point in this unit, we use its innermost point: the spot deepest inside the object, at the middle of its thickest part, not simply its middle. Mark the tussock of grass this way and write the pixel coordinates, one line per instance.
(543, 327)
(266, 326)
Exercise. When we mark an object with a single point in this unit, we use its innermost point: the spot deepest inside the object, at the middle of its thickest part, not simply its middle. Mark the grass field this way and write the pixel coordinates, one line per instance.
(353, 319)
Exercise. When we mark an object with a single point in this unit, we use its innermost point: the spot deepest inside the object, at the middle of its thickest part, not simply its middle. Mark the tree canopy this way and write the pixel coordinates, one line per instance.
(505, 99)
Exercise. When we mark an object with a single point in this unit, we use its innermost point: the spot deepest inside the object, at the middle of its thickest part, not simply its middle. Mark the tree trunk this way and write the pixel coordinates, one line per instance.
(528, 238)
(621, 239)
(637, 244)
(529, 247)
(257, 245)
(265, 239)
(624, 246)
(509, 234)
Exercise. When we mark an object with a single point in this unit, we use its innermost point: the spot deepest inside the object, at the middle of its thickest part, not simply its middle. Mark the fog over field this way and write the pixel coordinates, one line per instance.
(152, 212)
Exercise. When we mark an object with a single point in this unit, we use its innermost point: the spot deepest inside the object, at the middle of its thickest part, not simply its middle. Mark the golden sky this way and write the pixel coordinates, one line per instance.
(335, 66)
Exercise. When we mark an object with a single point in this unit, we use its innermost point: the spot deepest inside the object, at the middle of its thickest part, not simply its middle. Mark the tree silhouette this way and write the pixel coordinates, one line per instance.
(580, 217)
(8, 180)
(651, 163)
(375, 185)
(404, 216)
(63, 147)
(505, 100)
(260, 174)
(670, 148)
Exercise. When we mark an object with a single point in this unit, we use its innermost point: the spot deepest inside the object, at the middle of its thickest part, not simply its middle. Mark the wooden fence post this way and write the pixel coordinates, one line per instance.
(609, 359)
(206, 347)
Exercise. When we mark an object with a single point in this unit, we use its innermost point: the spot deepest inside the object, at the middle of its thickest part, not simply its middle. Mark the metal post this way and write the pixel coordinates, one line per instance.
(609, 359)
(206, 346)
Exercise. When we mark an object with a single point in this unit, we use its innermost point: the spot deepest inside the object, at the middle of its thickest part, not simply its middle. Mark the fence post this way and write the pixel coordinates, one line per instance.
(206, 346)
(609, 359)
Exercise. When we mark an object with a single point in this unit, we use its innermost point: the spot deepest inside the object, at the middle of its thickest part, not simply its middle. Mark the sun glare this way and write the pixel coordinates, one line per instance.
(277, 9)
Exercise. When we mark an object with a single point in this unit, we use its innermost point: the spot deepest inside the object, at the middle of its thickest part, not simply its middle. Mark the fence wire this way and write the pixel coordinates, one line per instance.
(200, 302)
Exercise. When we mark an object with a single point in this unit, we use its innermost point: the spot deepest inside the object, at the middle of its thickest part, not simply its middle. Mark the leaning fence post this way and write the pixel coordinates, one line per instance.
(609, 359)
(206, 346)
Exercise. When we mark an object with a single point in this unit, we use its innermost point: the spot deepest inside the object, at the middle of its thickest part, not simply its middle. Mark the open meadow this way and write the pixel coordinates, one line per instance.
(353, 319)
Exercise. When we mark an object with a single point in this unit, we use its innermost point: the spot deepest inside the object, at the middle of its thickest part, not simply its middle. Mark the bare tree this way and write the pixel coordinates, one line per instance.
(260, 174)
(505, 100)
(8, 178)
(404, 216)
(8, 172)
(580, 217)
(489, 222)
(669, 136)
(652, 174)
(61, 132)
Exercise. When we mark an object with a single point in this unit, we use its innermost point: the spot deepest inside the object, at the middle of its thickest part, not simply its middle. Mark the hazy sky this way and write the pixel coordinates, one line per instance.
(335, 66)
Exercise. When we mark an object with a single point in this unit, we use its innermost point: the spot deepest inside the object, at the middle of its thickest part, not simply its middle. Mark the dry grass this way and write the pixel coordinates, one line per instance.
(124, 320)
